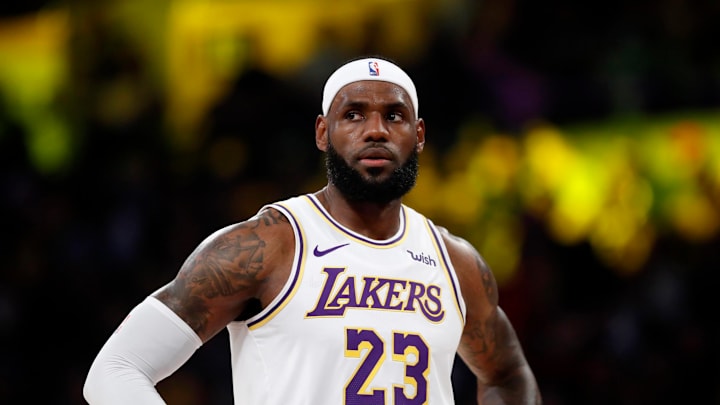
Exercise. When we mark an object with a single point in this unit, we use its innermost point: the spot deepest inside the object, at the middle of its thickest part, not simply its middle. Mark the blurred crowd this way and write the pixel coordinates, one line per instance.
(81, 246)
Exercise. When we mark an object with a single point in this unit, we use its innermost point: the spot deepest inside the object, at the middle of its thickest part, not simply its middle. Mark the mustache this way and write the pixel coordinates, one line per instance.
(377, 149)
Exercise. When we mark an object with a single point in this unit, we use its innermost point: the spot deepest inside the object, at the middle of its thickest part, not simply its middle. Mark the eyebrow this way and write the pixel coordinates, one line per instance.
(391, 106)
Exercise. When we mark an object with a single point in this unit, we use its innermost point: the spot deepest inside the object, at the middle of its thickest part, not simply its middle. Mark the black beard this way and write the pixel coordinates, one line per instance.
(356, 188)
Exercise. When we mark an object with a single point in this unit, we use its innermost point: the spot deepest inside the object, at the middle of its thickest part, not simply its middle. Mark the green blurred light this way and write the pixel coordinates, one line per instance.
(49, 145)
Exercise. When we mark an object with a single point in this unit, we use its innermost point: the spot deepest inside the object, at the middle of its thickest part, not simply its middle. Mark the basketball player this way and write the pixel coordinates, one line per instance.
(342, 296)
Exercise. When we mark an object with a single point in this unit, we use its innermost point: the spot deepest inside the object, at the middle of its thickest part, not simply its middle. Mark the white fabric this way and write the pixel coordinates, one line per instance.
(150, 344)
(348, 296)
(367, 69)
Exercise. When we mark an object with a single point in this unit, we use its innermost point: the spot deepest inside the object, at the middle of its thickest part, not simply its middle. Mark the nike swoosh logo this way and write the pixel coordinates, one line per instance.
(320, 253)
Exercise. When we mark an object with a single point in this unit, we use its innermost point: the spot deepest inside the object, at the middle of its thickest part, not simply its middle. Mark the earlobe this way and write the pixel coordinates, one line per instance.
(321, 133)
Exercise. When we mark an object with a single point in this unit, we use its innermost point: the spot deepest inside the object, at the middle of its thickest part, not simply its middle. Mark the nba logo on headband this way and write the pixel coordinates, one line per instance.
(367, 69)
(374, 68)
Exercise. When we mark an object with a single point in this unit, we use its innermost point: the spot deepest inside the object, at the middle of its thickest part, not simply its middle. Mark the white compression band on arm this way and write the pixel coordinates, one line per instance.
(149, 345)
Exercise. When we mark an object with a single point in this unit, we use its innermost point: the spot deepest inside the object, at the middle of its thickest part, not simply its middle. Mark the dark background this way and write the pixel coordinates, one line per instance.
(83, 246)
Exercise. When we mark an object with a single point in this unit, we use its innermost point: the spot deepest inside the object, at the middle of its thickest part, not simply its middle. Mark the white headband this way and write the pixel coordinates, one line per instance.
(367, 69)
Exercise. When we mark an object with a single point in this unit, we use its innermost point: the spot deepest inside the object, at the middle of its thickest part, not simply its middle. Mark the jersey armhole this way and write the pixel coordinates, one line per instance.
(293, 281)
(448, 267)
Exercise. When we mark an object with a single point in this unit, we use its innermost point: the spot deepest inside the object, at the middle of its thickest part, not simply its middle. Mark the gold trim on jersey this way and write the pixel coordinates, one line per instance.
(296, 273)
(394, 241)
(447, 266)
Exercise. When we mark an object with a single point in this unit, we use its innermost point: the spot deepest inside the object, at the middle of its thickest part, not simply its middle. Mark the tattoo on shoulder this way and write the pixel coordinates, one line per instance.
(268, 217)
(229, 264)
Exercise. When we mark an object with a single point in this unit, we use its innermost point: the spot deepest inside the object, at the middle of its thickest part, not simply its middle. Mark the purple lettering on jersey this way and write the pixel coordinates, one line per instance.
(393, 293)
(321, 307)
(370, 291)
(338, 295)
(422, 258)
(433, 312)
(416, 293)
(346, 296)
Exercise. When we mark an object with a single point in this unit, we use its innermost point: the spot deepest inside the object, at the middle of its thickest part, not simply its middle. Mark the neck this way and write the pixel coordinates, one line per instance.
(373, 220)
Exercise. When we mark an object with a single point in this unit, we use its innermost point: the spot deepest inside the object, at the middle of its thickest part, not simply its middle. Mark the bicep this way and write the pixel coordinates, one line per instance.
(488, 345)
(222, 274)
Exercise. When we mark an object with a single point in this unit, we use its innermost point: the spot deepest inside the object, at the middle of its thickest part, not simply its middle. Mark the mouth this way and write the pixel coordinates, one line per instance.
(375, 157)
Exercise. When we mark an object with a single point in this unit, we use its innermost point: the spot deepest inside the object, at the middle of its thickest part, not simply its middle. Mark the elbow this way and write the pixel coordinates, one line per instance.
(88, 392)
(111, 378)
(98, 385)
(91, 388)
(515, 386)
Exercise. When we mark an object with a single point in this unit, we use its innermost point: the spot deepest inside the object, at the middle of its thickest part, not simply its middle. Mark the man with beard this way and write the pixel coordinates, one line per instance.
(342, 296)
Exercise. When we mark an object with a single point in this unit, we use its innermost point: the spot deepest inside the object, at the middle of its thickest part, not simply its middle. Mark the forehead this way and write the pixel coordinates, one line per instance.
(372, 91)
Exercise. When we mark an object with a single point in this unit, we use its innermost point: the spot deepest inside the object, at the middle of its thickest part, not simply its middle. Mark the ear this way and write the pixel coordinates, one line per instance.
(420, 129)
(321, 135)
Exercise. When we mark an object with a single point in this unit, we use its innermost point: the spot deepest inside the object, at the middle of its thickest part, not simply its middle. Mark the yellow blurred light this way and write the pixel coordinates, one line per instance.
(614, 228)
(549, 157)
(577, 202)
(463, 149)
(459, 198)
(32, 73)
(32, 51)
(712, 167)
(629, 257)
(501, 246)
(636, 194)
(714, 177)
(494, 164)
(660, 159)
(693, 215)
(425, 196)
(211, 43)
(688, 140)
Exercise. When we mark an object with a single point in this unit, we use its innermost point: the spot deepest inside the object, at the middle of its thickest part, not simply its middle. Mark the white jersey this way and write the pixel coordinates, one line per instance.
(359, 321)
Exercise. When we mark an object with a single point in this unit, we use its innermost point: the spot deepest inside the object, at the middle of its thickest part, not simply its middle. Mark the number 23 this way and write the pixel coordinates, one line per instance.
(358, 391)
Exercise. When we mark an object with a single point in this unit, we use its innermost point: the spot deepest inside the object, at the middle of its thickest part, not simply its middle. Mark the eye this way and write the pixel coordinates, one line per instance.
(394, 117)
(353, 116)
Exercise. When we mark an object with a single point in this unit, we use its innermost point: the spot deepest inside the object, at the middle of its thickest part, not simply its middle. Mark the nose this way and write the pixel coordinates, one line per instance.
(375, 128)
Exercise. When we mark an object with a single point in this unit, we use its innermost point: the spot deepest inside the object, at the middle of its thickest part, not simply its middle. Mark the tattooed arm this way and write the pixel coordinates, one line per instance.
(246, 261)
(489, 345)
